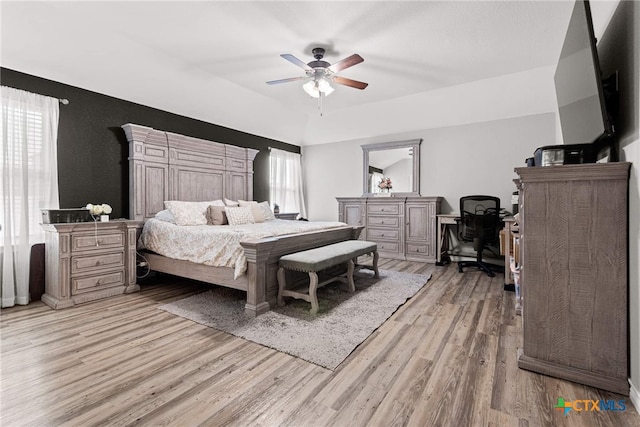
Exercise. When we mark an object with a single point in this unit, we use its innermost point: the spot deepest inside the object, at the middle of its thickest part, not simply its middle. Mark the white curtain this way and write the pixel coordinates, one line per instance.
(285, 183)
(28, 182)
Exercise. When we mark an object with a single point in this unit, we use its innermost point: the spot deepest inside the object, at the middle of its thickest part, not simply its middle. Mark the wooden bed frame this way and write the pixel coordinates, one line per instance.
(168, 166)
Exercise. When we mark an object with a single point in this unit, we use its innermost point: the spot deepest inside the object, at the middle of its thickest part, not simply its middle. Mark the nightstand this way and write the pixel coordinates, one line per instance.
(88, 261)
(287, 215)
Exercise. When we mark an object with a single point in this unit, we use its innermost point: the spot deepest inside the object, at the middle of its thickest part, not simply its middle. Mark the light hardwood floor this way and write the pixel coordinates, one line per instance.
(445, 358)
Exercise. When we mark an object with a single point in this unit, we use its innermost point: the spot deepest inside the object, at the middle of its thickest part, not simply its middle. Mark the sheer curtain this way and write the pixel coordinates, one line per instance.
(285, 181)
(28, 182)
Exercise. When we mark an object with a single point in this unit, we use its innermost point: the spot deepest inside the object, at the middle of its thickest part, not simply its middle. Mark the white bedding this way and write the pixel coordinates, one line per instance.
(217, 245)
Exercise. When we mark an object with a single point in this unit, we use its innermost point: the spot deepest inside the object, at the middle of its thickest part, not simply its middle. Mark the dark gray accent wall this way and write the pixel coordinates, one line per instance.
(93, 150)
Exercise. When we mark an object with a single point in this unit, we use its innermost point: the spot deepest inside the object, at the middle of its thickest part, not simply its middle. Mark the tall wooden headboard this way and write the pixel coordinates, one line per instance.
(168, 166)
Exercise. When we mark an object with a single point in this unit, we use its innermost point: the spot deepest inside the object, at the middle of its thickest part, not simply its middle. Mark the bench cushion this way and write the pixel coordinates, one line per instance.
(326, 256)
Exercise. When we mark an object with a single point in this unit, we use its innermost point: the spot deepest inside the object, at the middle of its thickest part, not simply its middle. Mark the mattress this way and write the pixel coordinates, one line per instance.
(218, 245)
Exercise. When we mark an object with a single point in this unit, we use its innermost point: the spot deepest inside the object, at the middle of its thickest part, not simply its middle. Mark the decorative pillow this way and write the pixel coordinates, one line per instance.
(216, 215)
(239, 215)
(228, 202)
(266, 211)
(166, 216)
(258, 215)
(190, 213)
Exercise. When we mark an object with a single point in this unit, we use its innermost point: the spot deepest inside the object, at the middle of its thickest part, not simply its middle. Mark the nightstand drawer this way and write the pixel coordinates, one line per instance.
(382, 234)
(80, 264)
(80, 242)
(384, 221)
(96, 282)
(287, 215)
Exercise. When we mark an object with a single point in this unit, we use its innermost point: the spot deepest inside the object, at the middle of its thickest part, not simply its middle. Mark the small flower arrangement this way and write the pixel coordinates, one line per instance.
(99, 210)
(385, 184)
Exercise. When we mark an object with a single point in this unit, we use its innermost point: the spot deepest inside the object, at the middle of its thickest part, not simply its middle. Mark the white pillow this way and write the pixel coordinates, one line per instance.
(266, 211)
(166, 216)
(258, 215)
(228, 202)
(239, 215)
(190, 213)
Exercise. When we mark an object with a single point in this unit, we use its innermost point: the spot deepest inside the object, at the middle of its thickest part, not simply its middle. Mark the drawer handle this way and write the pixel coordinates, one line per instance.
(382, 210)
(381, 222)
(98, 262)
(98, 282)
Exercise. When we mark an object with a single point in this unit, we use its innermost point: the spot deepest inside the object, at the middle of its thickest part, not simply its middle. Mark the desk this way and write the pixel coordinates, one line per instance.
(444, 238)
(444, 244)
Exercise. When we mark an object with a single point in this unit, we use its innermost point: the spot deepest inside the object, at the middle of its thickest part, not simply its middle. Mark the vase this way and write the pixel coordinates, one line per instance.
(104, 218)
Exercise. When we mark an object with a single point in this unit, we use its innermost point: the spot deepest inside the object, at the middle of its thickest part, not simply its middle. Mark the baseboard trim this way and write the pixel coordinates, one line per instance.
(634, 396)
(581, 376)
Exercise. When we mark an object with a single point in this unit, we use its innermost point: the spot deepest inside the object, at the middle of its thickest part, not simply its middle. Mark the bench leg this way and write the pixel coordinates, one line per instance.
(375, 265)
(281, 286)
(350, 268)
(313, 287)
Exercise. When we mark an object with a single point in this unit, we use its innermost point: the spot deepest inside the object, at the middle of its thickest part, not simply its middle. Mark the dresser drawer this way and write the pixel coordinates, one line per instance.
(97, 282)
(417, 250)
(81, 264)
(81, 242)
(384, 221)
(383, 234)
(389, 247)
(383, 208)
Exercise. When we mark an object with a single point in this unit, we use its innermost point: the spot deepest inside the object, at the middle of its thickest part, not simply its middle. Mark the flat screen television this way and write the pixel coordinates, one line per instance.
(582, 104)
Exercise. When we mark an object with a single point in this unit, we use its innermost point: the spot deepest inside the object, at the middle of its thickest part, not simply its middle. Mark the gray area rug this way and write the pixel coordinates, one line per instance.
(344, 319)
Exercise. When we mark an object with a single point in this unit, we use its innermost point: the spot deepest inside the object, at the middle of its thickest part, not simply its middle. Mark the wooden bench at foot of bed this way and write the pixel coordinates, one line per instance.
(314, 260)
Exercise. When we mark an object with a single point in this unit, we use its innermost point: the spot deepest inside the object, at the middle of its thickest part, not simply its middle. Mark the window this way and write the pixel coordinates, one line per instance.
(285, 182)
(28, 183)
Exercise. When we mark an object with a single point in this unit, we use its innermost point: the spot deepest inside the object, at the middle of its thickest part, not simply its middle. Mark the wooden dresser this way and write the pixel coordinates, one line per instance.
(573, 227)
(403, 227)
(87, 261)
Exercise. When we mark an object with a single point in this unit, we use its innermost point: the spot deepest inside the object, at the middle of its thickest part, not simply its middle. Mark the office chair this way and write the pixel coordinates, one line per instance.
(479, 223)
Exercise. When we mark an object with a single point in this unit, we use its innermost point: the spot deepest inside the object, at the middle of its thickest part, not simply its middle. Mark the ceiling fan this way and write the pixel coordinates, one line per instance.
(319, 73)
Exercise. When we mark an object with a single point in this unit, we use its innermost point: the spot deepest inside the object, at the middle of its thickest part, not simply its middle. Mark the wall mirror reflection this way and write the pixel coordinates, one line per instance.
(391, 168)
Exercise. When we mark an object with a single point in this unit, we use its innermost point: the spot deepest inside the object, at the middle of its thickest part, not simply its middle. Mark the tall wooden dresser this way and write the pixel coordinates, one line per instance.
(87, 261)
(403, 227)
(573, 226)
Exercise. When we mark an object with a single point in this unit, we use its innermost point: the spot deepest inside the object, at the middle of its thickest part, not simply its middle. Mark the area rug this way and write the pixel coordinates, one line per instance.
(344, 319)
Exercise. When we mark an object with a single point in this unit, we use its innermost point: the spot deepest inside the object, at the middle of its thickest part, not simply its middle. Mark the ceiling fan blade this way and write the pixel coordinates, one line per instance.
(290, 79)
(296, 61)
(348, 82)
(347, 62)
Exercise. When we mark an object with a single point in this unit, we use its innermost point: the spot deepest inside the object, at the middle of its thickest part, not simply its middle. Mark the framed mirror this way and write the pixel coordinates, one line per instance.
(395, 164)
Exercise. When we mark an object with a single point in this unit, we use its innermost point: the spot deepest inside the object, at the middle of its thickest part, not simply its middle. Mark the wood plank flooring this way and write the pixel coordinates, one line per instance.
(445, 358)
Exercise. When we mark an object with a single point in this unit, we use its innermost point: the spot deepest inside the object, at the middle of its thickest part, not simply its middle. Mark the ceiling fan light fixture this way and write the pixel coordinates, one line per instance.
(311, 88)
(324, 86)
(318, 86)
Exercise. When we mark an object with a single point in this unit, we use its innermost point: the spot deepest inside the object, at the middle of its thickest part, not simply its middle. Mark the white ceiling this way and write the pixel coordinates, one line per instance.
(210, 59)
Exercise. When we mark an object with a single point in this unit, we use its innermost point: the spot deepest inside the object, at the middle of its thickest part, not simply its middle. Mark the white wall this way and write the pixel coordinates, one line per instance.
(460, 160)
